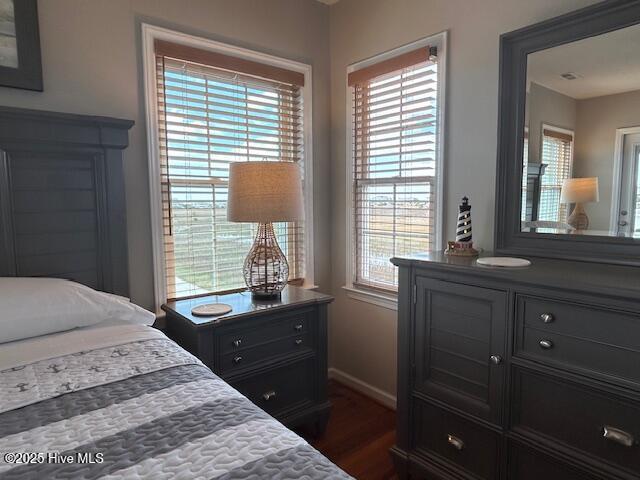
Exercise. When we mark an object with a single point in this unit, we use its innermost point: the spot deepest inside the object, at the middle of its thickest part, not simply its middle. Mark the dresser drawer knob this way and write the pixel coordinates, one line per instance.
(546, 344)
(546, 318)
(455, 442)
(618, 436)
(298, 341)
(237, 342)
(269, 395)
(298, 327)
(496, 359)
(237, 359)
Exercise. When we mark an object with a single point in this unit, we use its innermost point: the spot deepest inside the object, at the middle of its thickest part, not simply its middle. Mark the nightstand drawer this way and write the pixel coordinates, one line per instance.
(282, 388)
(243, 358)
(261, 331)
(459, 441)
(584, 337)
(598, 423)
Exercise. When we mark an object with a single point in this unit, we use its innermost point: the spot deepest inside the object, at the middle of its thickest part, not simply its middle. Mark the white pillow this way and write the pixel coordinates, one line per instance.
(30, 307)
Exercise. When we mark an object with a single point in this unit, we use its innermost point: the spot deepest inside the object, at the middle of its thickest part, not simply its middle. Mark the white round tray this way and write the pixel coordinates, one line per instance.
(211, 309)
(504, 262)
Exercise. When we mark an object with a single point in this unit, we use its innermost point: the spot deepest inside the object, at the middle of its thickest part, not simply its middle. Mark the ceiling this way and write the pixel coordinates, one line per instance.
(605, 65)
(328, 2)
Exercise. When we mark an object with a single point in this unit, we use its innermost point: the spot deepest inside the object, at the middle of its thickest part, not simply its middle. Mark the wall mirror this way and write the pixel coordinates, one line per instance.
(569, 143)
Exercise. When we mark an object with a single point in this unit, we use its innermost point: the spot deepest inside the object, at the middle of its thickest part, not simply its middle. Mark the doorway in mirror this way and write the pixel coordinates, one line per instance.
(625, 208)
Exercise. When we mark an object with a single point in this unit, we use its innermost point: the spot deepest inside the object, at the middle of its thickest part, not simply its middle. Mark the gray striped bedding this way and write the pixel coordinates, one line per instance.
(144, 409)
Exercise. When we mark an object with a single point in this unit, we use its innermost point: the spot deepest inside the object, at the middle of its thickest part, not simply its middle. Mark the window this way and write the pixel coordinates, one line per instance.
(213, 109)
(395, 170)
(557, 154)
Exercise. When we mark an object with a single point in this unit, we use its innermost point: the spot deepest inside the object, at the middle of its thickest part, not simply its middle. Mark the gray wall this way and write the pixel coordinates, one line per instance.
(598, 119)
(363, 336)
(92, 65)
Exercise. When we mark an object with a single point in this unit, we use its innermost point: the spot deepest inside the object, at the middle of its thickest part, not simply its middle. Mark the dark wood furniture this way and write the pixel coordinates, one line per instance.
(597, 19)
(518, 374)
(273, 351)
(62, 197)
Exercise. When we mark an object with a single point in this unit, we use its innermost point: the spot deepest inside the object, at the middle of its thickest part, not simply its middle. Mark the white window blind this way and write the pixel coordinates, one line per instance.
(395, 130)
(557, 154)
(210, 116)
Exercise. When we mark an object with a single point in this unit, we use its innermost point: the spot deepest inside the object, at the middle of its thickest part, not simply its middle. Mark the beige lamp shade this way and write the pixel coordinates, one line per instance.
(263, 192)
(580, 190)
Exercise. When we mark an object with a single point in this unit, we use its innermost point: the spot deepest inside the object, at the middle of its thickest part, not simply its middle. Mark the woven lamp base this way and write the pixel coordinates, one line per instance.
(266, 270)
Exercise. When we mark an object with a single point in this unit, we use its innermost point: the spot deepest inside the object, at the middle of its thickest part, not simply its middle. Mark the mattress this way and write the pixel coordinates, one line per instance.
(124, 401)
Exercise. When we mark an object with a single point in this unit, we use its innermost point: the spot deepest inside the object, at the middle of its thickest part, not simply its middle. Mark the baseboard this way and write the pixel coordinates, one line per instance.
(376, 394)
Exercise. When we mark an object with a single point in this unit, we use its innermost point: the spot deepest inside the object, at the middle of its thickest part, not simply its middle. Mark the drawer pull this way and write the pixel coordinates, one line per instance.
(455, 442)
(269, 395)
(298, 341)
(546, 344)
(298, 327)
(618, 436)
(237, 342)
(546, 318)
(496, 359)
(237, 359)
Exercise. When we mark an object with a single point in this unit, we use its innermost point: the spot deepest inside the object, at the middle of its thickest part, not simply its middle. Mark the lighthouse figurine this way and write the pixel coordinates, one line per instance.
(463, 244)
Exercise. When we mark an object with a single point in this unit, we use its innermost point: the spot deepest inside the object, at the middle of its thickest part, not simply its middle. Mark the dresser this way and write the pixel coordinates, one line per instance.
(518, 374)
(272, 351)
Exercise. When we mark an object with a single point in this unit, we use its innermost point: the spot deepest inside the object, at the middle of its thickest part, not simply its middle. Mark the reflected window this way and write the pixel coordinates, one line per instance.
(525, 212)
(636, 221)
(557, 156)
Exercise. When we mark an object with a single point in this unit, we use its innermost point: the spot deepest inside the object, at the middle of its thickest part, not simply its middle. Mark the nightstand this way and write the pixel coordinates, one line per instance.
(272, 351)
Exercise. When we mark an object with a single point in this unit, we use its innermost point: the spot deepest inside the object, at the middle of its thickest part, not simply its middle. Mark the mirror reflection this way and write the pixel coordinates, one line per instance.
(581, 159)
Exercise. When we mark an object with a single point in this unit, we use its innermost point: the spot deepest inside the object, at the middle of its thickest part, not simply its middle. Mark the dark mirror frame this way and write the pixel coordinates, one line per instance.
(514, 47)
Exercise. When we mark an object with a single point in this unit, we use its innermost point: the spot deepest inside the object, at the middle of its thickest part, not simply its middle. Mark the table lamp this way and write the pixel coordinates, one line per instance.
(579, 191)
(263, 193)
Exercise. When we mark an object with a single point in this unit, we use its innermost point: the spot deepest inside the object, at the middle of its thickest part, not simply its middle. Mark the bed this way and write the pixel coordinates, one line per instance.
(88, 389)
(124, 401)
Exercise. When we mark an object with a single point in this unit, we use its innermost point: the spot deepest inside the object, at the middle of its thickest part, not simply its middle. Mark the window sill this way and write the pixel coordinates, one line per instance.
(389, 302)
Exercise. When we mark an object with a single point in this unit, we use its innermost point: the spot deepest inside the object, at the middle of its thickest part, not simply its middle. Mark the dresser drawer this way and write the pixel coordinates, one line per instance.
(456, 440)
(282, 388)
(243, 358)
(578, 417)
(256, 332)
(525, 464)
(570, 335)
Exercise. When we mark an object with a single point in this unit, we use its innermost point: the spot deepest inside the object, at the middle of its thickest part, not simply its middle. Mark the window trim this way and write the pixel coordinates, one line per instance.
(150, 33)
(359, 292)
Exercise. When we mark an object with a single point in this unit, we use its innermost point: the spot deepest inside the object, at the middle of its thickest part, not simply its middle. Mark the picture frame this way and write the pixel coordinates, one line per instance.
(20, 58)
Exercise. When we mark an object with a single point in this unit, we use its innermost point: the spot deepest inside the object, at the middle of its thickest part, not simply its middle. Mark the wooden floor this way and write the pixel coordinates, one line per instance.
(359, 435)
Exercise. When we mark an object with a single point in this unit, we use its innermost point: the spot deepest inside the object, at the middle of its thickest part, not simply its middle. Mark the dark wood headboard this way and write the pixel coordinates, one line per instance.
(62, 199)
